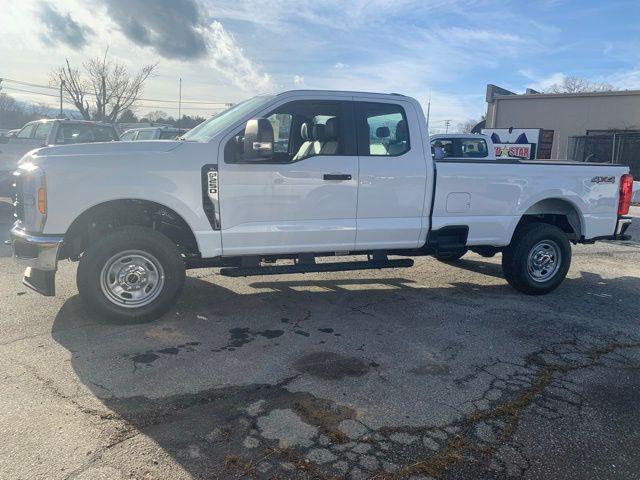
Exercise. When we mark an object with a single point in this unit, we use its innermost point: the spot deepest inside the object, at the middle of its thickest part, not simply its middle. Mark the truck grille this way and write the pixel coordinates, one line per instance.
(18, 196)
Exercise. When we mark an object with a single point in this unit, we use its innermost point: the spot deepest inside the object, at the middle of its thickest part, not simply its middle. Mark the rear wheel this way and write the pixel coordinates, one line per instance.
(132, 274)
(538, 259)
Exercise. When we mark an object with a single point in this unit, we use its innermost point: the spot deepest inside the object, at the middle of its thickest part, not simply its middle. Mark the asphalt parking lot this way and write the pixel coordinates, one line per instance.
(435, 371)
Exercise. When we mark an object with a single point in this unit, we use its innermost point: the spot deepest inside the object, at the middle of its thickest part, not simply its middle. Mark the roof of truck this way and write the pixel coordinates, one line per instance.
(458, 135)
(340, 92)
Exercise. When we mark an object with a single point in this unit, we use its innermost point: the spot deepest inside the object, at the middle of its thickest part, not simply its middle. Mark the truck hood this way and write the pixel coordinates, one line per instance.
(106, 148)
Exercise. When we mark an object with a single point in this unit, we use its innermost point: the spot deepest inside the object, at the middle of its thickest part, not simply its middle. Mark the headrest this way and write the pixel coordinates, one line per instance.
(320, 132)
(383, 132)
(402, 133)
(305, 131)
(331, 128)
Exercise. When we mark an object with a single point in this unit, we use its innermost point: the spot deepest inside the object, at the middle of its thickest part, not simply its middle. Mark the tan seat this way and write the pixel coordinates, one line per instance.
(402, 139)
(307, 144)
(325, 138)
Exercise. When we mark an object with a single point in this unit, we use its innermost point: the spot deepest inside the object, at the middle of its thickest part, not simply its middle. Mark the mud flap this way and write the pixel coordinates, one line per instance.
(43, 282)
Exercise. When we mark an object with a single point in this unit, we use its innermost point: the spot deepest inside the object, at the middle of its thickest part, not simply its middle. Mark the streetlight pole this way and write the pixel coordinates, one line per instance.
(179, 106)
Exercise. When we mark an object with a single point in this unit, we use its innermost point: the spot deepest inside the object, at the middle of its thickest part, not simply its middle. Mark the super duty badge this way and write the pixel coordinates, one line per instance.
(603, 180)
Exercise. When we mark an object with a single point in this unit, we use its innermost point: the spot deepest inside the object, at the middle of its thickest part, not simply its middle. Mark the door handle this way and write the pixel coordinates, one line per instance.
(336, 176)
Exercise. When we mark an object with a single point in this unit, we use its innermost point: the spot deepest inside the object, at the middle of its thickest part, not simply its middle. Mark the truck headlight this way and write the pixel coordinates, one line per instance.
(31, 197)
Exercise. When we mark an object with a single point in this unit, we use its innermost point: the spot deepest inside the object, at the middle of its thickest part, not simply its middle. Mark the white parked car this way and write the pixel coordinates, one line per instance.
(151, 133)
(40, 133)
(353, 174)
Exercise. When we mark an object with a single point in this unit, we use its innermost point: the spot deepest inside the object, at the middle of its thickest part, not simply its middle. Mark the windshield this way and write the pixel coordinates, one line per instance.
(209, 129)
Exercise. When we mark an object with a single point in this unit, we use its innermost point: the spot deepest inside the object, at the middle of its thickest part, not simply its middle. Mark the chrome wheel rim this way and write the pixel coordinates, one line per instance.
(132, 279)
(544, 261)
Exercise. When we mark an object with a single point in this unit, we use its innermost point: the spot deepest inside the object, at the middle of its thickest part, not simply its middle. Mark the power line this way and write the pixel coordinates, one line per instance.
(49, 87)
(166, 107)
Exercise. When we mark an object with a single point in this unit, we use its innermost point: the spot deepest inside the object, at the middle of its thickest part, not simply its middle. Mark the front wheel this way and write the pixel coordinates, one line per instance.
(133, 274)
(538, 259)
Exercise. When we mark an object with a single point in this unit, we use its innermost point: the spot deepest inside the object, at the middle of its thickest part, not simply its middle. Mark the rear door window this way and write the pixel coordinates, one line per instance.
(474, 148)
(85, 133)
(168, 135)
(442, 148)
(42, 131)
(145, 135)
(383, 129)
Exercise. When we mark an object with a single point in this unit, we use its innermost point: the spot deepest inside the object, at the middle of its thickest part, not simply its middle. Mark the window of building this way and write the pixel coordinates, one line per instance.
(386, 132)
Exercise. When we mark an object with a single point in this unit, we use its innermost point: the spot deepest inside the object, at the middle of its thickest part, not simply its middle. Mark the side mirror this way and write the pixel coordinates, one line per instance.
(258, 139)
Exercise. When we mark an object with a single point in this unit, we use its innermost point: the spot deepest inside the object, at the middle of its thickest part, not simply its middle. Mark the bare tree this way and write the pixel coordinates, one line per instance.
(579, 85)
(103, 88)
(467, 126)
(156, 116)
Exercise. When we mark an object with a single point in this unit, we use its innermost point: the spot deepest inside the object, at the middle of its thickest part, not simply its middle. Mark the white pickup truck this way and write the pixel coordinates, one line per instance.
(353, 174)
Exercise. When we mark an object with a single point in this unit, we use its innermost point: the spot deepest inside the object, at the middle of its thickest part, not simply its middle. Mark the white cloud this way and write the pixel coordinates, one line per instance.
(625, 80)
(541, 83)
(298, 80)
(228, 58)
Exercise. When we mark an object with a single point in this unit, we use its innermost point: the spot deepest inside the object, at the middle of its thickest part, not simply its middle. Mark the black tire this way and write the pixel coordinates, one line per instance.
(166, 266)
(542, 277)
(450, 257)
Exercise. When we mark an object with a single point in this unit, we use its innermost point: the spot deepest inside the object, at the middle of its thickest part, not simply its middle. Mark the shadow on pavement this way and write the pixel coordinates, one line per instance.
(223, 431)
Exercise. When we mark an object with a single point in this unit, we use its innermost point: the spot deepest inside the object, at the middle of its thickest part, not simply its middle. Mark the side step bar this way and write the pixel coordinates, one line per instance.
(315, 267)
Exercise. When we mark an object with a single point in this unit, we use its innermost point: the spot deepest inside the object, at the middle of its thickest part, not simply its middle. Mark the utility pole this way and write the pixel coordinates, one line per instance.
(179, 106)
(428, 111)
(104, 99)
(446, 126)
(61, 85)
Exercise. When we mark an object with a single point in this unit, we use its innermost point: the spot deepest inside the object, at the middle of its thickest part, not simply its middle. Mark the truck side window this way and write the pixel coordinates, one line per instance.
(442, 148)
(303, 129)
(474, 148)
(26, 131)
(42, 130)
(145, 135)
(385, 128)
(127, 136)
(281, 123)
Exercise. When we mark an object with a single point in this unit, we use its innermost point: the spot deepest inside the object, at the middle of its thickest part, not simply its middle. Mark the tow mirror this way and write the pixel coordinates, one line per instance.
(258, 139)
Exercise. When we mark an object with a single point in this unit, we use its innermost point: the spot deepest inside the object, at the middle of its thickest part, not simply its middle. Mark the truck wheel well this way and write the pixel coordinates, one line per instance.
(101, 218)
(555, 211)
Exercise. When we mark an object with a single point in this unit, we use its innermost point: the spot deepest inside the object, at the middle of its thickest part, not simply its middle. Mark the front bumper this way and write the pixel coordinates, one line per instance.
(39, 253)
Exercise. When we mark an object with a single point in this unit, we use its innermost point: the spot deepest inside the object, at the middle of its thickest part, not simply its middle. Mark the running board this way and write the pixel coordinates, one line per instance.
(316, 267)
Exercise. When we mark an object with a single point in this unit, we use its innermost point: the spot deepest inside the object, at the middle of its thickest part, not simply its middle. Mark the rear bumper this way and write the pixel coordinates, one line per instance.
(39, 253)
(620, 233)
(622, 226)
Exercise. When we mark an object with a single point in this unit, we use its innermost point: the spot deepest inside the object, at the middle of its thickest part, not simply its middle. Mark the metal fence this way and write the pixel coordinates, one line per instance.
(610, 147)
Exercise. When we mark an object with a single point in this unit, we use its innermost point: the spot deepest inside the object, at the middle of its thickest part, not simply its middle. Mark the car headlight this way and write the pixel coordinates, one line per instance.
(31, 197)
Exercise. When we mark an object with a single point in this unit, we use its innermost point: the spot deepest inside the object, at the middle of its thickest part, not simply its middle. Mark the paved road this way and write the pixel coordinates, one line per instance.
(436, 371)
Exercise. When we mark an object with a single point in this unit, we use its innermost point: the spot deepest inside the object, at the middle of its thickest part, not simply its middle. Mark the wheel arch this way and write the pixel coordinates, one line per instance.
(111, 214)
(560, 212)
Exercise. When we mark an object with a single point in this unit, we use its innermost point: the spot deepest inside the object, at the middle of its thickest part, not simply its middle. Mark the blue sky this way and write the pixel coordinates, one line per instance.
(230, 49)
